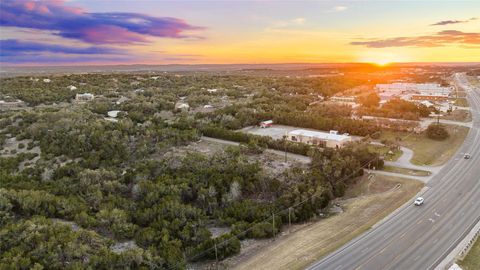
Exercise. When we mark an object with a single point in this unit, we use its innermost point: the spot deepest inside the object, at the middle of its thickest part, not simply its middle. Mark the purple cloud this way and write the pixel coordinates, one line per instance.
(66, 59)
(447, 22)
(442, 38)
(11, 47)
(95, 28)
(16, 51)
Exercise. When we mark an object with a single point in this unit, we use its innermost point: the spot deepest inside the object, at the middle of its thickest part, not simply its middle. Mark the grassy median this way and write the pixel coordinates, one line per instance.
(428, 151)
(406, 171)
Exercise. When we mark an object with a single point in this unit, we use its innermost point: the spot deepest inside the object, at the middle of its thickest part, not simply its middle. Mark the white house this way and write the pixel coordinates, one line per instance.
(47, 80)
(214, 90)
(343, 99)
(71, 87)
(427, 103)
(84, 97)
(113, 114)
(182, 106)
(11, 104)
(121, 100)
(323, 139)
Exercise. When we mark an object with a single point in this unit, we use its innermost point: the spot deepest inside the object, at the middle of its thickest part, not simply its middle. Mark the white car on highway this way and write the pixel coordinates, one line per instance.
(419, 201)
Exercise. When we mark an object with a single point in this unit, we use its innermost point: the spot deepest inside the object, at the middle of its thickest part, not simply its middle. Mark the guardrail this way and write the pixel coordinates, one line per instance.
(473, 237)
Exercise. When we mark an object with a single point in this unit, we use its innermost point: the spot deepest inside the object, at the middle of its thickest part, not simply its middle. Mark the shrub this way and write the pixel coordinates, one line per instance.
(261, 230)
(437, 132)
(226, 245)
(375, 135)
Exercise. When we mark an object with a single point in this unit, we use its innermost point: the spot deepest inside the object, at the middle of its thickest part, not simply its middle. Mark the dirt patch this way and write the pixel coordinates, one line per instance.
(377, 197)
(13, 147)
(462, 102)
(119, 248)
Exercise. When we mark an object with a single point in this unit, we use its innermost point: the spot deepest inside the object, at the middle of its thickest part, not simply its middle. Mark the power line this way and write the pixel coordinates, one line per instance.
(282, 211)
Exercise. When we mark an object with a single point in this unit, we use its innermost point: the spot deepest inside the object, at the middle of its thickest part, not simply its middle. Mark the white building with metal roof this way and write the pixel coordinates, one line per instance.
(323, 139)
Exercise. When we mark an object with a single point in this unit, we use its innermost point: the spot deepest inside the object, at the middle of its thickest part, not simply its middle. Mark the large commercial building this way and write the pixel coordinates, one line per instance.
(322, 139)
(415, 91)
(438, 97)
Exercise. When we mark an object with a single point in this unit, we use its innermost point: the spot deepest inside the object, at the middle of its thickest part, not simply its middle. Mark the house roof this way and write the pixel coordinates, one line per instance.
(113, 113)
(319, 135)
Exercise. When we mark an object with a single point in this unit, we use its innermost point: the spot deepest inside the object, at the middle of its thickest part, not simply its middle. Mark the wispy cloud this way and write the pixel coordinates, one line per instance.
(285, 24)
(439, 39)
(298, 21)
(95, 28)
(447, 22)
(288, 23)
(338, 8)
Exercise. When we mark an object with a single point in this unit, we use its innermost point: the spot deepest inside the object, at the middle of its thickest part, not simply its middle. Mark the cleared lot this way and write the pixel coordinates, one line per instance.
(365, 203)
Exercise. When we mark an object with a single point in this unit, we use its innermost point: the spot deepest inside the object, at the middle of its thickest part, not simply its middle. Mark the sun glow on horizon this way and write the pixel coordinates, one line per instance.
(382, 62)
(382, 58)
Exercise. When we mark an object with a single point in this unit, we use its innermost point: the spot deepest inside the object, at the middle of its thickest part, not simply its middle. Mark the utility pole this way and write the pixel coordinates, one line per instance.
(285, 146)
(273, 224)
(289, 219)
(216, 252)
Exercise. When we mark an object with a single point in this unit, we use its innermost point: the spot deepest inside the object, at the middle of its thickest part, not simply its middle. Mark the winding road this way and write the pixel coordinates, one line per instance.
(422, 237)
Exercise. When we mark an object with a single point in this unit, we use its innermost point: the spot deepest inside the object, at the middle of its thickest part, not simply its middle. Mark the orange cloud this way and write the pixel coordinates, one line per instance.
(440, 39)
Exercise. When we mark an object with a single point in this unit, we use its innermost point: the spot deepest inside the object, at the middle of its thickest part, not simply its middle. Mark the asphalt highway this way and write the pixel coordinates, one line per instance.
(420, 237)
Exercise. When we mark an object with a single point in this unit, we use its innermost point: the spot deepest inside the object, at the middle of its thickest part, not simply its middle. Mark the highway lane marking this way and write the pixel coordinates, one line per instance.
(403, 235)
(434, 241)
(338, 267)
(420, 221)
(416, 258)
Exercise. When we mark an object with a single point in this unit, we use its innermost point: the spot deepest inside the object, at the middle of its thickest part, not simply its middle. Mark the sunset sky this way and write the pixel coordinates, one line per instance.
(218, 32)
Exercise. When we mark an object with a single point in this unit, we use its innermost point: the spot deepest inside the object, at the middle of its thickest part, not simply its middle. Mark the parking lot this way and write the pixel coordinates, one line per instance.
(274, 131)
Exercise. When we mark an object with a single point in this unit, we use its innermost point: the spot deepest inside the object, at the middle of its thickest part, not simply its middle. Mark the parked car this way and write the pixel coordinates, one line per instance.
(467, 156)
(419, 201)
